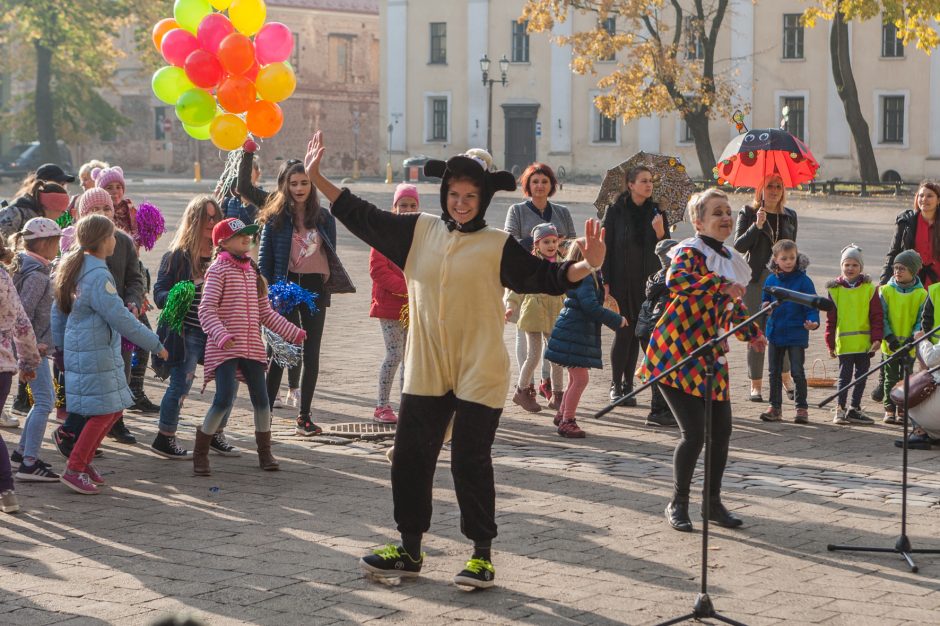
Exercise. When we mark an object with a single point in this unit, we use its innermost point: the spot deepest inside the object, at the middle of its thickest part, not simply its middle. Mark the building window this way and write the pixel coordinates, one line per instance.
(792, 36)
(610, 25)
(606, 129)
(794, 110)
(892, 119)
(520, 42)
(891, 46)
(160, 114)
(685, 132)
(340, 51)
(438, 119)
(438, 42)
(695, 47)
(295, 55)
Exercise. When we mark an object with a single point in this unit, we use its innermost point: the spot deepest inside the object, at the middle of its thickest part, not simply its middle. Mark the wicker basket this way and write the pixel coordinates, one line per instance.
(815, 381)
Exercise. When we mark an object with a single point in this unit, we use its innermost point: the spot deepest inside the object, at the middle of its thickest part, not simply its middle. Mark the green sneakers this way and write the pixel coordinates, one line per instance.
(478, 573)
(391, 562)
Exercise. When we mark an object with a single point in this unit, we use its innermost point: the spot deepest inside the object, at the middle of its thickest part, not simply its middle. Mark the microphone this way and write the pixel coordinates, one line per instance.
(814, 302)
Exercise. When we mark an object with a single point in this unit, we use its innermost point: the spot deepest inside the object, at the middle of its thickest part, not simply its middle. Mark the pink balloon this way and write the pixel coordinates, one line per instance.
(212, 30)
(177, 45)
(273, 43)
(203, 69)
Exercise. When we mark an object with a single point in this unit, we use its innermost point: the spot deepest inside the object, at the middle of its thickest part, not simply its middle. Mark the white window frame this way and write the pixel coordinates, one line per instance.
(798, 93)
(878, 96)
(594, 124)
(429, 97)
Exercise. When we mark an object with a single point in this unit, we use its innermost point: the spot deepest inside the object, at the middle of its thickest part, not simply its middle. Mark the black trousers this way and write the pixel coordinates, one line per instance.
(313, 324)
(422, 422)
(850, 366)
(624, 352)
(689, 412)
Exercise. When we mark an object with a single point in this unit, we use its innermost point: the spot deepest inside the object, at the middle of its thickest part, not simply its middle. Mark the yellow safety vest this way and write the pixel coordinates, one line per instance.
(933, 294)
(902, 312)
(853, 328)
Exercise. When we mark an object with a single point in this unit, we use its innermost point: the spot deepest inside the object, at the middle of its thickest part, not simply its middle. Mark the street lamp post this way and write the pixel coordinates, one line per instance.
(388, 163)
(488, 83)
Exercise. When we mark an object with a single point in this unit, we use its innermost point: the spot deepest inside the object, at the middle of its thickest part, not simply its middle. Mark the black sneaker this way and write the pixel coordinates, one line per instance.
(142, 404)
(168, 447)
(478, 573)
(391, 562)
(20, 406)
(663, 418)
(306, 428)
(855, 416)
(16, 457)
(64, 442)
(38, 472)
(219, 445)
(121, 434)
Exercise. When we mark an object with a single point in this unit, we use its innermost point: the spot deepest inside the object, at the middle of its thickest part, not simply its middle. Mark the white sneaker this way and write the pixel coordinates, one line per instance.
(839, 417)
(292, 397)
(8, 421)
(278, 404)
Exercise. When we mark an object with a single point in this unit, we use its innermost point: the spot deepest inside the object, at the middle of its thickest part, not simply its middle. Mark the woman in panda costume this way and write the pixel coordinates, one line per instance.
(457, 366)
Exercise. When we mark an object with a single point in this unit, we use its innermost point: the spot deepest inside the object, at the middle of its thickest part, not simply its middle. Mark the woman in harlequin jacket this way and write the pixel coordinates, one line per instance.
(456, 366)
(707, 281)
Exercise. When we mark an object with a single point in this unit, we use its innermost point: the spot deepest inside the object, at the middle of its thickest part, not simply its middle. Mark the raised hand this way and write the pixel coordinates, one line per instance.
(592, 244)
(657, 225)
(315, 151)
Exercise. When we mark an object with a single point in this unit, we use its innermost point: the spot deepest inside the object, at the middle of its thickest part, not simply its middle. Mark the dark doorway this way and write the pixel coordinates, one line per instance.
(520, 135)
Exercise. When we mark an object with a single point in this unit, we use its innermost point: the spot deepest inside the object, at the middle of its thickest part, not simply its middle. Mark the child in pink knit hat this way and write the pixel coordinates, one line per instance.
(111, 179)
(93, 201)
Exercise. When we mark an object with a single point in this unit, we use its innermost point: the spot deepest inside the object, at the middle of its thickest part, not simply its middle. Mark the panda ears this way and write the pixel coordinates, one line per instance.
(435, 168)
(502, 181)
(497, 181)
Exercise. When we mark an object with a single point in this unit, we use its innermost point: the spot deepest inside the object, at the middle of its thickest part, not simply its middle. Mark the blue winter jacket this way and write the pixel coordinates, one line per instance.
(576, 339)
(274, 254)
(90, 337)
(785, 326)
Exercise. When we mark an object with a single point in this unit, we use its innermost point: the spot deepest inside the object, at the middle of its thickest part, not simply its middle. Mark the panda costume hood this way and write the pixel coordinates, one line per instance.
(463, 166)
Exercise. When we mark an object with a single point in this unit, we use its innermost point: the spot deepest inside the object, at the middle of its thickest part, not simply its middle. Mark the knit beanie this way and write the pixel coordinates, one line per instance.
(404, 190)
(853, 252)
(93, 197)
(911, 260)
(662, 249)
(108, 175)
(541, 231)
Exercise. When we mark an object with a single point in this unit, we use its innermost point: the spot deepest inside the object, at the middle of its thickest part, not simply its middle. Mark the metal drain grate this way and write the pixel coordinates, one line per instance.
(361, 430)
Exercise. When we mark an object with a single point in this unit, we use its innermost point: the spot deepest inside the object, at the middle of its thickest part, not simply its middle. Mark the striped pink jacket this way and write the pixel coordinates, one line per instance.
(231, 309)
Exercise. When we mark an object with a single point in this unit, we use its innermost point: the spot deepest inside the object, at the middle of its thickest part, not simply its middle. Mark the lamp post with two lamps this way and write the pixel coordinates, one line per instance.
(488, 82)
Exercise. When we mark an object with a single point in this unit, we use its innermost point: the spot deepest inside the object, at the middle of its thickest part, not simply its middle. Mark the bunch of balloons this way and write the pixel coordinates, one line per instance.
(226, 73)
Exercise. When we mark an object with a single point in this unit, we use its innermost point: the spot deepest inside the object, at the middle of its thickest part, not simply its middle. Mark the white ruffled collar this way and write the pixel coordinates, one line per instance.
(729, 264)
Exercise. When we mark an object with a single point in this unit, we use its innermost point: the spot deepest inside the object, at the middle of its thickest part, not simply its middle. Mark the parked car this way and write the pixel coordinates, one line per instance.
(26, 157)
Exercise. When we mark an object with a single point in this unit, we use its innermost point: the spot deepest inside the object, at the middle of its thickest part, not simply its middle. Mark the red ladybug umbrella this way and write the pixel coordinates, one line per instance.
(751, 156)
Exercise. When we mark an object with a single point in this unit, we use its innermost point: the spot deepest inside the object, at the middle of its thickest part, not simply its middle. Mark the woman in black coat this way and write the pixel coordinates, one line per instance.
(633, 226)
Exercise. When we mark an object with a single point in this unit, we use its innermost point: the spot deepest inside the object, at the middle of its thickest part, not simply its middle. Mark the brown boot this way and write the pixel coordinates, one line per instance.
(265, 459)
(555, 402)
(525, 397)
(201, 454)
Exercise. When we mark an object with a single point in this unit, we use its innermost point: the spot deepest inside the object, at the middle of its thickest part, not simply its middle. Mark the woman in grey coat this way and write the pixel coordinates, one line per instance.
(539, 184)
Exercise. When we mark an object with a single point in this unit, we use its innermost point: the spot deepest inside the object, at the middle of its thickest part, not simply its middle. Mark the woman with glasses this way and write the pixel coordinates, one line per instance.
(759, 227)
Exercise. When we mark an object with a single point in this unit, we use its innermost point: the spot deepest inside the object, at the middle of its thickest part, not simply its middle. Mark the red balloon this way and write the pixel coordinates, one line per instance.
(212, 30)
(264, 118)
(236, 94)
(236, 53)
(177, 45)
(203, 69)
(252, 73)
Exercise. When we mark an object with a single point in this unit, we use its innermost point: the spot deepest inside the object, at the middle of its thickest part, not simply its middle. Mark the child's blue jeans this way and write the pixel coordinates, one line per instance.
(226, 385)
(775, 355)
(43, 404)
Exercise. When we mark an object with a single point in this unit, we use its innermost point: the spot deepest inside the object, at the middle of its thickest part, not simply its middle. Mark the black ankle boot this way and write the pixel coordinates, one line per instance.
(677, 514)
(616, 390)
(628, 388)
(718, 514)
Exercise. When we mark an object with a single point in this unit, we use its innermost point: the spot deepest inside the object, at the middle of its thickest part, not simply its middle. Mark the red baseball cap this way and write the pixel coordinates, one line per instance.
(230, 227)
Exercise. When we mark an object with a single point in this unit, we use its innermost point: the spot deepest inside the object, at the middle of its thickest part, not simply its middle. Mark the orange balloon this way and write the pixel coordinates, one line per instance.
(236, 53)
(236, 94)
(161, 28)
(264, 119)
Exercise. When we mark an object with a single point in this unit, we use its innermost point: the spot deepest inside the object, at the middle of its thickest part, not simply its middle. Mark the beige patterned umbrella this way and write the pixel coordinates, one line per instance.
(672, 186)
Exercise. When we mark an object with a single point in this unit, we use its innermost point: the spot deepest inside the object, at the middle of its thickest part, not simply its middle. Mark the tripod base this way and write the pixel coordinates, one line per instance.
(703, 609)
(902, 547)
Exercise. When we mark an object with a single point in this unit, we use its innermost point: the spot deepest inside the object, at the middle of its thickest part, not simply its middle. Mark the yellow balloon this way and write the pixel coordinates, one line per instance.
(228, 132)
(220, 5)
(247, 16)
(275, 82)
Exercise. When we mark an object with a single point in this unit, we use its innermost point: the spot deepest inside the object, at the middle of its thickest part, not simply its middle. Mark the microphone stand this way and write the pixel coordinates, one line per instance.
(703, 607)
(903, 544)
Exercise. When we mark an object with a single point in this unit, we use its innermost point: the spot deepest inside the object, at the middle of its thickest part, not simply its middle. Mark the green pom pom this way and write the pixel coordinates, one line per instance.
(64, 220)
(177, 305)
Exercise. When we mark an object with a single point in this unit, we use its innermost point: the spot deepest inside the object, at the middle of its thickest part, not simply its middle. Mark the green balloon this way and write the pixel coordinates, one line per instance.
(188, 13)
(169, 83)
(197, 132)
(195, 108)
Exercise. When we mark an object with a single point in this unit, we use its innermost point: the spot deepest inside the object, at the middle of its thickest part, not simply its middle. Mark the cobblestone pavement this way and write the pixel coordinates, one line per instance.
(582, 536)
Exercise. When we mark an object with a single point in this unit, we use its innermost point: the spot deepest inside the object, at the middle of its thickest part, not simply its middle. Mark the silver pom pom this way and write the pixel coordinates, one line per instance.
(284, 353)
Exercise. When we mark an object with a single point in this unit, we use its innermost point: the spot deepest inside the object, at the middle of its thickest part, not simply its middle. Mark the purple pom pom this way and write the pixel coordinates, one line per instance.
(150, 225)
(127, 345)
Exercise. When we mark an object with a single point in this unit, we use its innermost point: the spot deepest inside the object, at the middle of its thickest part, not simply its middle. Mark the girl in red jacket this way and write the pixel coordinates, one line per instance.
(233, 308)
(389, 295)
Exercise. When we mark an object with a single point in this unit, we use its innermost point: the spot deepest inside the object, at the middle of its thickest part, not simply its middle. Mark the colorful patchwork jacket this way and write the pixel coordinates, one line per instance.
(698, 312)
